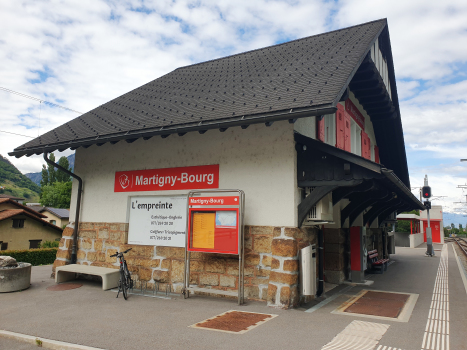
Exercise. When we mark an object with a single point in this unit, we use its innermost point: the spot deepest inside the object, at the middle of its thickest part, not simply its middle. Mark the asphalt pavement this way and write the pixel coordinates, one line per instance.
(89, 316)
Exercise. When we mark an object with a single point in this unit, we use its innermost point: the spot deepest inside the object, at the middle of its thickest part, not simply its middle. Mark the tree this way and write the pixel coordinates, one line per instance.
(60, 175)
(403, 226)
(51, 170)
(45, 176)
(57, 195)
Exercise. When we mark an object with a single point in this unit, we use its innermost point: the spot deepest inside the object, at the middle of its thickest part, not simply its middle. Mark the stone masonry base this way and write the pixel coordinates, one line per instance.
(271, 260)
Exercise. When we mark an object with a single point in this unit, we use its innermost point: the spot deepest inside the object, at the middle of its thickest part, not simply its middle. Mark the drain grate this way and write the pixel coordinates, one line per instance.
(64, 286)
(237, 322)
(380, 304)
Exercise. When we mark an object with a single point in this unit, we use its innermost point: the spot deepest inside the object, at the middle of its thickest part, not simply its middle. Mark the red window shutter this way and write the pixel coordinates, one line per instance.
(320, 128)
(376, 154)
(347, 141)
(366, 148)
(340, 127)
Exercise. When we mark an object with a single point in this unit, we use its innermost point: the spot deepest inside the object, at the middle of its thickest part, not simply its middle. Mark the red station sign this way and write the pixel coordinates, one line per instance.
(351, 109)
(183, 178)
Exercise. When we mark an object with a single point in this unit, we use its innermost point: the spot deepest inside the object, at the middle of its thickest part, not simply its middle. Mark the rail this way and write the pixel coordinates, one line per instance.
(461, 242)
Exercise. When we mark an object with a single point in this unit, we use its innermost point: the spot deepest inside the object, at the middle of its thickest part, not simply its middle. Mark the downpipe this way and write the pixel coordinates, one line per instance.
(78, 206)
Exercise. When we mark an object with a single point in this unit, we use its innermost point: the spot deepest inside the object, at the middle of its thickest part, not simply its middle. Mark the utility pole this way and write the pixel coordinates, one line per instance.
(419, 191)
(426, 193)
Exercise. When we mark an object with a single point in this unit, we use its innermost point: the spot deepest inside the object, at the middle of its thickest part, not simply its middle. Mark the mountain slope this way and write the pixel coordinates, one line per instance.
(13, 183)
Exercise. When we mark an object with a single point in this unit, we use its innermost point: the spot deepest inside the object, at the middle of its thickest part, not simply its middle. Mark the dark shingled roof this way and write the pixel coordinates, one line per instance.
(299, 78)
(61, 213)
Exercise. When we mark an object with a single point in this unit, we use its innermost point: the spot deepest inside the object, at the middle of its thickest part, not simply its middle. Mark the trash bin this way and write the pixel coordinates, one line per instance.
(308, 270)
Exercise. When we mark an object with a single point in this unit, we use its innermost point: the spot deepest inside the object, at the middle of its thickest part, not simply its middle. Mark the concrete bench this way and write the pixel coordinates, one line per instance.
(109, 276)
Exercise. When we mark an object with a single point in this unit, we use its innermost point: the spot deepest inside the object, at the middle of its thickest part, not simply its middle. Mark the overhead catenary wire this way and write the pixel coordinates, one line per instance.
(9, 132)
(37, 99)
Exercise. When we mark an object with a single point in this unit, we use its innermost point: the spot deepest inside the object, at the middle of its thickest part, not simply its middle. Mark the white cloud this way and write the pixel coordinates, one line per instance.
(96, 50)
(425, 34)
(444, 188)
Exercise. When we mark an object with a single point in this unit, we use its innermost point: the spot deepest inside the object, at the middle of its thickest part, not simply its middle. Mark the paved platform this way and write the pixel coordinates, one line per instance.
(91, 317)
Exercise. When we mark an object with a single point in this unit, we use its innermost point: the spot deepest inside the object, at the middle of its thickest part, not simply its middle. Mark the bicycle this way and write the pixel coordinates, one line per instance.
(125, 281)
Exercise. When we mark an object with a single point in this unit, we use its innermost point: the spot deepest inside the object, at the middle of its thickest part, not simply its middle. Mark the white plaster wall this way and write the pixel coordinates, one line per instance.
(436, 213)
(416, 239)
(259, 160)
(306, 126)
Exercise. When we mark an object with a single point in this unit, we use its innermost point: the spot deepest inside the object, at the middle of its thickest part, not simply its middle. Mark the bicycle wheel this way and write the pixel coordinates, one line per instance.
(123, 284)
(129, 281)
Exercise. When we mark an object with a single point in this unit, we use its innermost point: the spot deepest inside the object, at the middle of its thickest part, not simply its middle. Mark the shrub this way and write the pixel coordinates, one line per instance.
(35, 257)
(49, 244)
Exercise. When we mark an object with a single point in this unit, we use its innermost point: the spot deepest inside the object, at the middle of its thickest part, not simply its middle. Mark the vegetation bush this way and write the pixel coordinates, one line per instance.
(49, 244)
(41, 256)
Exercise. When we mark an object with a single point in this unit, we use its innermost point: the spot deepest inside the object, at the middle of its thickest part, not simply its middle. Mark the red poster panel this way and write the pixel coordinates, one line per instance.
(340, 127)
(348, 144)
(320, 128)
(376, 154)
(183, 178)
(213, 230)
(355, 113)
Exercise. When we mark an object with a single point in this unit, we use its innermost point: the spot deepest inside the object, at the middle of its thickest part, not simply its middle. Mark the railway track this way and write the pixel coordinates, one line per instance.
(461, 243)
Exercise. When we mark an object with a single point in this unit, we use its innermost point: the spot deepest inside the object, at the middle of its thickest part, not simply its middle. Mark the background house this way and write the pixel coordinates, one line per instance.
(13, 198)
(57, 216)
(23, 228)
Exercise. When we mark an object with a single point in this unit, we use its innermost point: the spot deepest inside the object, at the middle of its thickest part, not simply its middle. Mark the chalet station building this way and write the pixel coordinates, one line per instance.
(310, 130)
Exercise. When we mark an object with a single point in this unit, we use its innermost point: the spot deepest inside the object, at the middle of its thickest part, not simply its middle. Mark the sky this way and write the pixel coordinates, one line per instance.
(81, 54)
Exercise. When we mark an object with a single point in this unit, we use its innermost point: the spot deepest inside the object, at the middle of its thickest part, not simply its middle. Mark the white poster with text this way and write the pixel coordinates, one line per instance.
(157, 220)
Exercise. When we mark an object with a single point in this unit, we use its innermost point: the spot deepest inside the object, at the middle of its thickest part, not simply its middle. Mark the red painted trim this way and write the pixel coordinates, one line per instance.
(340, 126)
(355, 259)
(320, 128)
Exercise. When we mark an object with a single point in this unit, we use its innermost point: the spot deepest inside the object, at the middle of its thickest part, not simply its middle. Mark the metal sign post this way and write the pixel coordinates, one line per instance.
(426, 192)
(215, 225)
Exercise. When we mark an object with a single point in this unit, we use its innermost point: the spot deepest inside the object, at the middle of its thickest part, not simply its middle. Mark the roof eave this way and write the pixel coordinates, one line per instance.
(245, 120)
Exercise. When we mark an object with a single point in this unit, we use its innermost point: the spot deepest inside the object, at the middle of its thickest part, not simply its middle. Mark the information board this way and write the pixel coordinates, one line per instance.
(157, 220)
(213, 224)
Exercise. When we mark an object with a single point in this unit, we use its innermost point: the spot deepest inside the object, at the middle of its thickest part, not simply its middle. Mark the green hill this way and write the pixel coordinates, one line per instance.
(13, 183)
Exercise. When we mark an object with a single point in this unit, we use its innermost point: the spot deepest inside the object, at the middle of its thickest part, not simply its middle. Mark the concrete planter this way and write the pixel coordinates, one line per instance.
(14, 279)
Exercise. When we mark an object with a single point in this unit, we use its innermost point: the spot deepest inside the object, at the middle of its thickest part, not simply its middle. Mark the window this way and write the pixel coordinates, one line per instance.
(330, 129)
(53, 222)
(3, 245)
(34, 243)
(355, 138)
(18, 223)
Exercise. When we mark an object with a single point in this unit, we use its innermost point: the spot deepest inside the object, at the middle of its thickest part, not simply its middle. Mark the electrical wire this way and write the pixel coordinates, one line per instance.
(40, 111)
(8, 132)
(37, 99)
